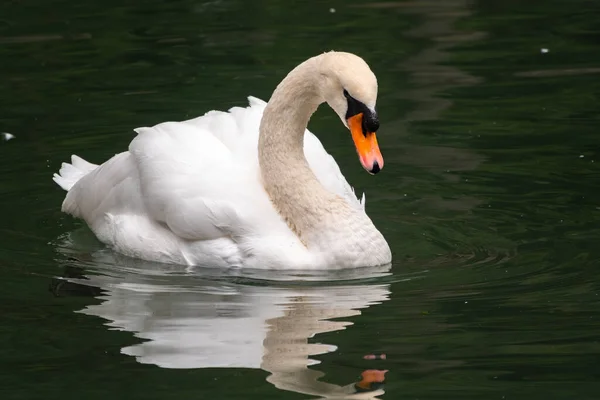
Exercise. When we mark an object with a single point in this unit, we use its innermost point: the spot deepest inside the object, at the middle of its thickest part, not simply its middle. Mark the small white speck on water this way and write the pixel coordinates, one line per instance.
(404, 194)
(466, 302)
(7, 136)
(332, 10)
(544, 50)
(581, 156)
(561, 221)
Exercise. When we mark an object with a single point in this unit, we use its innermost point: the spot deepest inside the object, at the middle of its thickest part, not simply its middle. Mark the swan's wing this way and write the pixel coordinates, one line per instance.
(189, 180)
(201, 177)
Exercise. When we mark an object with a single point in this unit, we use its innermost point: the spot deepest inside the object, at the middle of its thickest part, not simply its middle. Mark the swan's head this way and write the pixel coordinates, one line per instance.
(350, 88)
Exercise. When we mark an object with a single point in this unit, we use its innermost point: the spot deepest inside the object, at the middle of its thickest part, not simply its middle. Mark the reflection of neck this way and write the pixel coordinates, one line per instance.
(287, 348)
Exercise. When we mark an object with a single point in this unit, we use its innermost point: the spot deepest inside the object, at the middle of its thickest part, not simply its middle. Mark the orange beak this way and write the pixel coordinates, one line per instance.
(366, 145)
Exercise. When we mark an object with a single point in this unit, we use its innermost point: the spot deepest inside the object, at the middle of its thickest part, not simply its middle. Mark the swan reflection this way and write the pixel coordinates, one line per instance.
(200, 319)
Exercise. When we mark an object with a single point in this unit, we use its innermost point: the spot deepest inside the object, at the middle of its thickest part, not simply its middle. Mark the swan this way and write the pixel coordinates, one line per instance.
(247, 188)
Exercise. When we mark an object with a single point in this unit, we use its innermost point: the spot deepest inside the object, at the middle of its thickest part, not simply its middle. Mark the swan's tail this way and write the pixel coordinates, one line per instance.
(69, 174)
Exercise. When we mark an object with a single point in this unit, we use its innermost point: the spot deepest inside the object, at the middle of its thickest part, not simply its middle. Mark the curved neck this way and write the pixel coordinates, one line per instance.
(292, 186)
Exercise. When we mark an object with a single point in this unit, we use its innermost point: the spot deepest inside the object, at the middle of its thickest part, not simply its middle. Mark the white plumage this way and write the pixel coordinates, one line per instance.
(191, 193)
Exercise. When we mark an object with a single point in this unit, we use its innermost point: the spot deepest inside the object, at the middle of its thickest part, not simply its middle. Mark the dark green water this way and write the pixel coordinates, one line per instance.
(490, 200)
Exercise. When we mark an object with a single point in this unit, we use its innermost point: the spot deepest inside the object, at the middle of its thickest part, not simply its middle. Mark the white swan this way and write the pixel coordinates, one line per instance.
(249, 188)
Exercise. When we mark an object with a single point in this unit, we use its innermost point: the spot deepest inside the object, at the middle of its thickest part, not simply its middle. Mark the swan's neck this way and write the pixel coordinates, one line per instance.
(292, 186)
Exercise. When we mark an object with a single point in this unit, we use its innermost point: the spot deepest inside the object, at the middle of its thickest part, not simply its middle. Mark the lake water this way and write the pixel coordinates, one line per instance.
(490, 200)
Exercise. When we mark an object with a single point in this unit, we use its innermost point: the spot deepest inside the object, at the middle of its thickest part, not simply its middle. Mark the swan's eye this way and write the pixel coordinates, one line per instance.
(354, 106)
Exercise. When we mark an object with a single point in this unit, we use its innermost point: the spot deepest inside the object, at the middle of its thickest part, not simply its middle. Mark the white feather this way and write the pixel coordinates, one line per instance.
(194, 192)
(189, 192)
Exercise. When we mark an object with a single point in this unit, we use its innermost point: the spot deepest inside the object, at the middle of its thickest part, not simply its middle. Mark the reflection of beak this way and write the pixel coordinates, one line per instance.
(366, 145)
(370, 378)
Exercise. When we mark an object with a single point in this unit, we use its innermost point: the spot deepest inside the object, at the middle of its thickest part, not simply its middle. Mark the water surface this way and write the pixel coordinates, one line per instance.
(490, 200)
